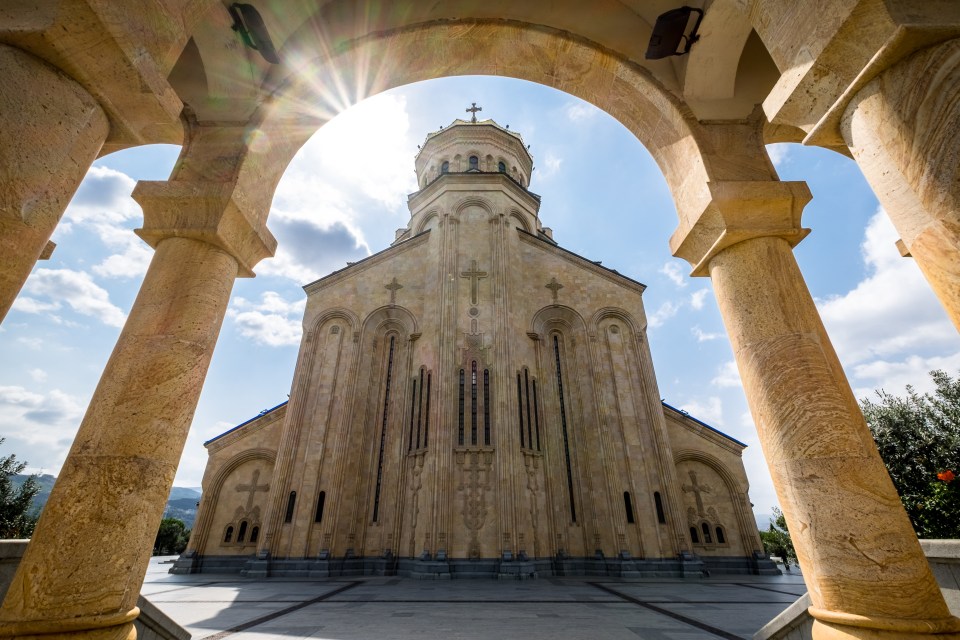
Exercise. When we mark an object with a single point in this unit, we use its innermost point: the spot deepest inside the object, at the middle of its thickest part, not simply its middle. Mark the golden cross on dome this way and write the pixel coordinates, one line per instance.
(473, 111)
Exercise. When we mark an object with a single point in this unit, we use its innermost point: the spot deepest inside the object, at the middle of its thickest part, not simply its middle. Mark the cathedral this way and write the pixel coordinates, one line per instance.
(474, 400)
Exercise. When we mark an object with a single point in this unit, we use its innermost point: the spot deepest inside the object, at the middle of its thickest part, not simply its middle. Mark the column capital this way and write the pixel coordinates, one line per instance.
(738, 211)
(205, 211)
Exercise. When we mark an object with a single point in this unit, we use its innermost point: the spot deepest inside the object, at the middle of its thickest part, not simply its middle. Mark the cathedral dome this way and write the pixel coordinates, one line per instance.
(481, 146)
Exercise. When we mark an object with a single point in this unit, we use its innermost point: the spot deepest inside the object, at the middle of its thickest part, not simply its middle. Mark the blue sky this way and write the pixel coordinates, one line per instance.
(343, 197)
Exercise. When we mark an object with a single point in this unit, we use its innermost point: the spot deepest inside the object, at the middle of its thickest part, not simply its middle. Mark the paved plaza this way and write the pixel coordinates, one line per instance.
(227, 606)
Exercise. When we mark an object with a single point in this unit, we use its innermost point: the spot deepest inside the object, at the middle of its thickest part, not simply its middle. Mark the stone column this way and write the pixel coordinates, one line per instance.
(82, 572)
(52, 130)
(903, 129)
(866, 573)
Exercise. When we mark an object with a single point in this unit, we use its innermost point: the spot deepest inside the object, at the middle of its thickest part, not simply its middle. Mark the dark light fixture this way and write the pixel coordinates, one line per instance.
(669, 31)
(249, 24)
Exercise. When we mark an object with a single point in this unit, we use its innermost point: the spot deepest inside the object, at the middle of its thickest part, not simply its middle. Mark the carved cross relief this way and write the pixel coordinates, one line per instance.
(474, 275)
(697, 489)
(252, 488)
(554, 287)
(393, 286)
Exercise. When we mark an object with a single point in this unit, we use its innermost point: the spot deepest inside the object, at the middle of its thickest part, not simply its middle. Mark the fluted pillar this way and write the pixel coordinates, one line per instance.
(83, 580)
(51, 130)
(903, 129)
(866, 573)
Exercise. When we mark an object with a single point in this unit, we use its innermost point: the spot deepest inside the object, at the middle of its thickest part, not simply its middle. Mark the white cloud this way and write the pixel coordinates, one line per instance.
(709, 410)
(779, 153)
(134, 256)
(666, 311)
(893, 377)
(703, 336)
(274, 321)
(38, 375)
(75, 288)
(727, 375)
(551, 165)
(578, 111)
(674, 274)
(355, 173)
(26, 304)
(39, 426)
(698, 298)
(103, 197)
(31, 343)
(892, 311)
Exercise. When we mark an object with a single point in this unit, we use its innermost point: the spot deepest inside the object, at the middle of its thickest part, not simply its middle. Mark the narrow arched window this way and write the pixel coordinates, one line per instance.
(694, 536)
(228, 536)
(318, 516)
(460, 419)
(502, 168)
(383, 431)
(526, 389)
(720, 538)
(254, 534)
(658, 502)
(706, 533)
(628, 505)
(426, 411)
(520, 408)
(291, 503)
(413, 413)
(486, 407)
(536, 414)
(445, 167)
(242, 532)
(474, 163)
(473, 402)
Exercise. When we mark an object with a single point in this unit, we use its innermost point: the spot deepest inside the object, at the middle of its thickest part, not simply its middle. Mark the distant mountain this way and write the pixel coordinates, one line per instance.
(182, 503)
(46, 484)
(763, 520)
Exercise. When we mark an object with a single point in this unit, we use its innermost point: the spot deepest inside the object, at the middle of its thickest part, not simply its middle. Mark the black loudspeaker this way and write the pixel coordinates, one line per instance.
(669, 30)
(249, 24)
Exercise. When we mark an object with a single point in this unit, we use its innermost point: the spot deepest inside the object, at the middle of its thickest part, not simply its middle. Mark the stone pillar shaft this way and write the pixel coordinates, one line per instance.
(52, 130)
(864, 568)
(85, 579)
(902, 128)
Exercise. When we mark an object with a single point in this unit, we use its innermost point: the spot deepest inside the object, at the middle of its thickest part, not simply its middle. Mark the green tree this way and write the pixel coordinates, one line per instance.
(172, 537)
(776, 540)
(16, 521)
(918, 437)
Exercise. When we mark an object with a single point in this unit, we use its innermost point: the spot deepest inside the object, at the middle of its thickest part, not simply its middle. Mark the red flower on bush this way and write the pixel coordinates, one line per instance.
(947, 476)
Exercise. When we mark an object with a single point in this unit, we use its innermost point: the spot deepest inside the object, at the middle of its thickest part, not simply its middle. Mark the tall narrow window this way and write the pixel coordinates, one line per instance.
(502, 168)
(254, 534)
(536, 414)
(383, 431)
(322, 498)
(720, 538)
(291, 503)
(694, 536)
(520, 408)
(473, 402)
(474, 163)
(426, 411)
(420, 409)
(445, 167)
(658, 502)
(228, 536)
(413, 414)
(486, 407)
(526, 386)
(706, 533)
(628, 506)
(460, 420)
(563, 424)
(242, 531)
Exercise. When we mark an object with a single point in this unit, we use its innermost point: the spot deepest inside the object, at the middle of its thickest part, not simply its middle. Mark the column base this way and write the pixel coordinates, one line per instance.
(832, 625)
(108, 627)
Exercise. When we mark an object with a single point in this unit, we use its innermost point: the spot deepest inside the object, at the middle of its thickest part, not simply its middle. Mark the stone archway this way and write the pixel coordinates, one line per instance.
(208, 225)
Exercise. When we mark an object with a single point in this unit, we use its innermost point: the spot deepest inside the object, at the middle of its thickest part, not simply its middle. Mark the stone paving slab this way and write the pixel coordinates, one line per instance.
(227, 607)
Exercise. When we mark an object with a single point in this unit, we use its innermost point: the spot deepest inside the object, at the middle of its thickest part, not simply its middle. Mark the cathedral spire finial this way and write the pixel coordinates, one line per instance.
(473, 111)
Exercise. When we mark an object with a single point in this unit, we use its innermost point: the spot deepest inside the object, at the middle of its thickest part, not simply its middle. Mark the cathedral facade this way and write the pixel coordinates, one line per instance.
(474, 400)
